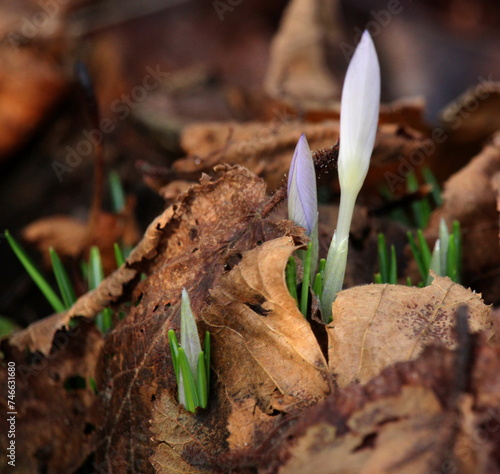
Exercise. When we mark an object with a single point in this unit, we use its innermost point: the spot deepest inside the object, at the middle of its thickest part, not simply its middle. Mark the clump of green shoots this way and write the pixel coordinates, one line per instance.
(191, 364)
(388, 266)
(66, 298)
(92, 270)
(446, 258)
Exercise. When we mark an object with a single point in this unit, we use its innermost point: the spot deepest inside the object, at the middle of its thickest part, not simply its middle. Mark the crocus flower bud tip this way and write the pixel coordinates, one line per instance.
(302, 195)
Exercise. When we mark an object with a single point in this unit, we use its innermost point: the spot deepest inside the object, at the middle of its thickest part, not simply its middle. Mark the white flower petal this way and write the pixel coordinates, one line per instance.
(359, 115)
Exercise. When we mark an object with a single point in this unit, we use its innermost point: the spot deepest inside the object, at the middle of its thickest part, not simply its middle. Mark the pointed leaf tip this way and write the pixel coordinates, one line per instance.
(190, 340)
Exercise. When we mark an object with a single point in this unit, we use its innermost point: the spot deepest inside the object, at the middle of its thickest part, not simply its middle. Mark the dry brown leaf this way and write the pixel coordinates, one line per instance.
(266, 148)
(297, 68)
(192, 247)
(470, 198)
(256, 322)
(473, 117)
(375, 326)
(425, 415)
(56, 419)
(384, 437)
(27, 70)
(68, 236)
(71, 237)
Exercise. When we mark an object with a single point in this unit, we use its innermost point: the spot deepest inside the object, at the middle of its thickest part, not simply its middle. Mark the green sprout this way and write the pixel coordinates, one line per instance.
(63, 281)
(421, 208)
(388, 271)
(104, 319)
(446, 258)
(191, 364)
(92, 270)
(57, 304)
(118, 199)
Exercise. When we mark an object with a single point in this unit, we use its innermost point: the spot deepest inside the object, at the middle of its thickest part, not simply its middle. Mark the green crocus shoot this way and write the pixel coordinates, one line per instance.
(191, 364)
(358, 126)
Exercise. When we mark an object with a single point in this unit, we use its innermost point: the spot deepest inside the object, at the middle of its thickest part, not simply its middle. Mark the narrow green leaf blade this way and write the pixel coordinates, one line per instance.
(95, 271)
(424, 250)
(451, 259)
(188, 384)
(444, 238)
(435, 264)
(304, 298)
(431, 180)
(382, 257)
(35, 274)
(393, 267)
(62, 278)
(174, 350)
(119, 257)
(117, 193)
(207, 358)
(291, 278)
(201, 381)
(318, 284)
(417, 256)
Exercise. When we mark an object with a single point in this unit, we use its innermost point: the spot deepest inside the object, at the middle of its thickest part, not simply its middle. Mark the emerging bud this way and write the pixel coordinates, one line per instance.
(359, 115)
(191, 364)
(358, 127)
(302, 195)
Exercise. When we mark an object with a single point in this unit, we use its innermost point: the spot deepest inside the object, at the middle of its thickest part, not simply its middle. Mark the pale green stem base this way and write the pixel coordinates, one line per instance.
(337, 255)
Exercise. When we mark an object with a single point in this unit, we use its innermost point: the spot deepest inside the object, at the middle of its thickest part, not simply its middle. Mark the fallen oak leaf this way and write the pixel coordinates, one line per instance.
(375, 326)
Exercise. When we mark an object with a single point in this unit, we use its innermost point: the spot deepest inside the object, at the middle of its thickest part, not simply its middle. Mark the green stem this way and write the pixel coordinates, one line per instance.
(304, 297)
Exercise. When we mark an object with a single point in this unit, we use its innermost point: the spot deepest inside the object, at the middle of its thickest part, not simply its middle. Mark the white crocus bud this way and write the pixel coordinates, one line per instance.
(302, 195)
(358, 126)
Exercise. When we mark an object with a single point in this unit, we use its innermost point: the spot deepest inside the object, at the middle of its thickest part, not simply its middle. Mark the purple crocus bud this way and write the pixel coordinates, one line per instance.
(302, 195)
